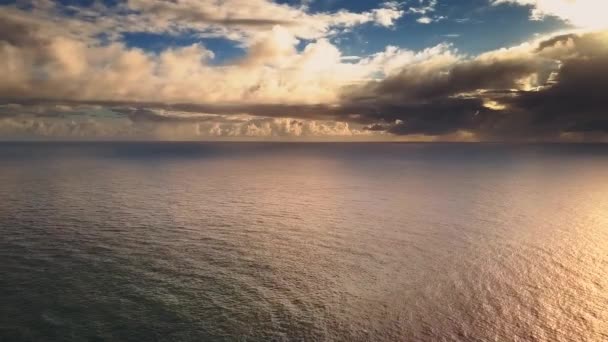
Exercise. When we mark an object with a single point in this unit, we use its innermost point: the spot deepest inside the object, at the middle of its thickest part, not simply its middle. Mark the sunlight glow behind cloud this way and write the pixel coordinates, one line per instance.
(580, 13)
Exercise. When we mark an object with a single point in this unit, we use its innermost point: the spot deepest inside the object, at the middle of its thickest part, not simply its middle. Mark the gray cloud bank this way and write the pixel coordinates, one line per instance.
(552, 89)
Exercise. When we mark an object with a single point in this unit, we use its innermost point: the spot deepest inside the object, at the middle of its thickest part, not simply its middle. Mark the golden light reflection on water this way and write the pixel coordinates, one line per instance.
(314, 242)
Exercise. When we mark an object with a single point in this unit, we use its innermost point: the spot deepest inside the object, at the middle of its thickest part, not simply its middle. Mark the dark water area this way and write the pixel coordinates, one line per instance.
(303, 242)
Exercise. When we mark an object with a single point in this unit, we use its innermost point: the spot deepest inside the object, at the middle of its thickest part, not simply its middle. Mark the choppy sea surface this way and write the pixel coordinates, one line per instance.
(303, 242)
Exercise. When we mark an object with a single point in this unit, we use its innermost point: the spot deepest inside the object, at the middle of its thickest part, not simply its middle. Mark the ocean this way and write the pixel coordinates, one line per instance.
(303, 242)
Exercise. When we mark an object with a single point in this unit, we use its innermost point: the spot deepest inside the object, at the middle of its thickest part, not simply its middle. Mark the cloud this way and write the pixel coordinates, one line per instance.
(424, 7)
(138, 123)
(580, 13)
(429, 20)
(424, 20)
(239, 20)
(60, 79)
(41, 61)
(543, 90)
(572, 102)
(387, 14)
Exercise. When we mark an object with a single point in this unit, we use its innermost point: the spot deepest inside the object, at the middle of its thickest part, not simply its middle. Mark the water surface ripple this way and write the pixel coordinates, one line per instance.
(304, 242)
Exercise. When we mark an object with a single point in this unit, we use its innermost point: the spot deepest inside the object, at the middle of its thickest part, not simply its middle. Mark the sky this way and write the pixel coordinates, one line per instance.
(304, 70)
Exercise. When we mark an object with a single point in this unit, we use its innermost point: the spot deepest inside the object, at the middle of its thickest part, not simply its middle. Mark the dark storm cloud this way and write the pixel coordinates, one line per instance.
(571, 72)
(577, 97)
(590, 126)
(414, 85)
(575, 101)
(436, 100)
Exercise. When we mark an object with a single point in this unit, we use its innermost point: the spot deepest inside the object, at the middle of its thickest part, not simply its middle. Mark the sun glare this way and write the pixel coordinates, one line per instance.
(581, 13)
